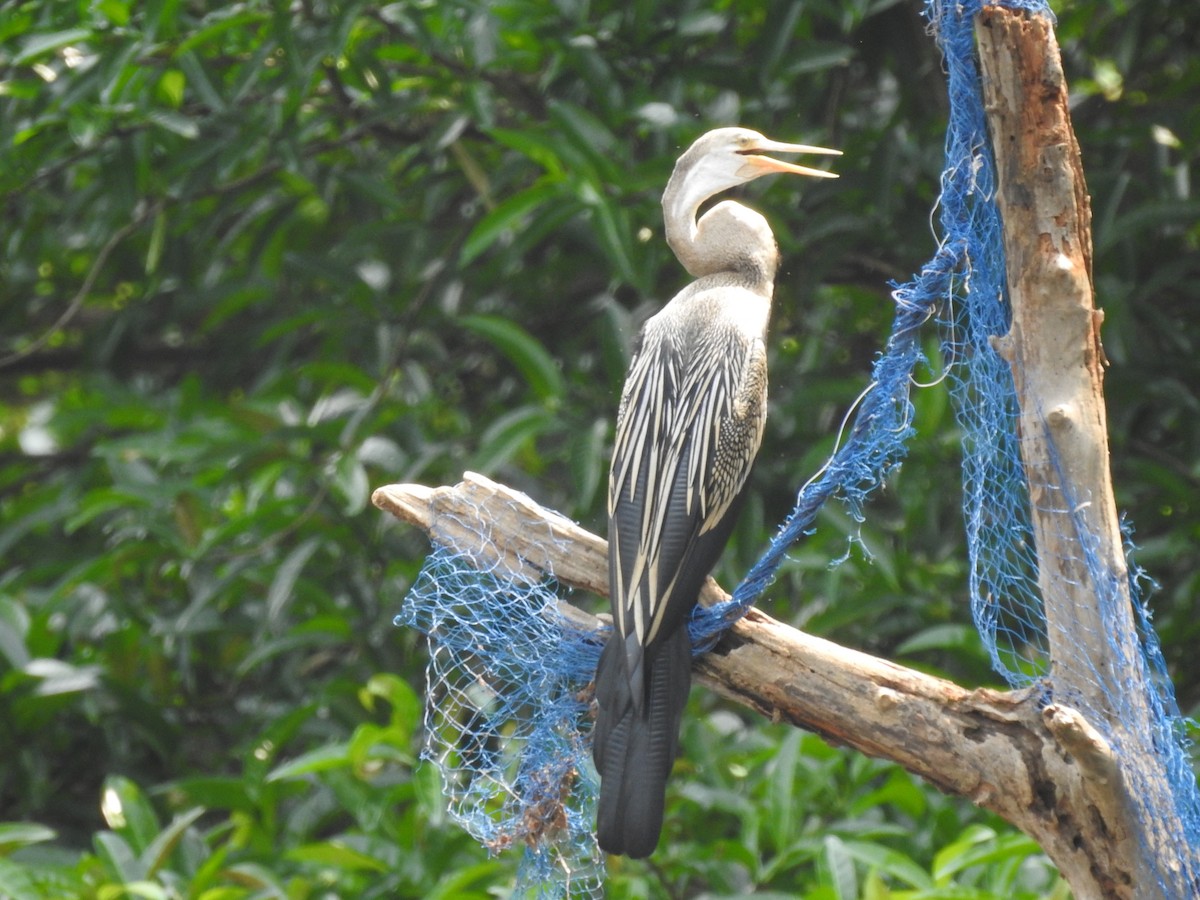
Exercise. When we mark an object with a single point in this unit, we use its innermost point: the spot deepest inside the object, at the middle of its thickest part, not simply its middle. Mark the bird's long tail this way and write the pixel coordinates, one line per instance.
(636, 743)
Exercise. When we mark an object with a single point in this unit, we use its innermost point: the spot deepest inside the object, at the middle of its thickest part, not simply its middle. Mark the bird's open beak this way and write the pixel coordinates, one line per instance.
(756, 165)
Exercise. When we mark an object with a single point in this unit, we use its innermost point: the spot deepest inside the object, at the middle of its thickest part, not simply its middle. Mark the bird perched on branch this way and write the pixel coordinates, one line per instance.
(689, 426)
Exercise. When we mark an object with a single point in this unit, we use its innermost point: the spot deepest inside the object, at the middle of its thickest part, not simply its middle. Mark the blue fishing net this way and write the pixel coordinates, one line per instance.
(506, 722)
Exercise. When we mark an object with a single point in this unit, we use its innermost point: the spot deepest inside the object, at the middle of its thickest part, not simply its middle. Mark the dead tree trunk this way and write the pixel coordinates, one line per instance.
(1054, 351)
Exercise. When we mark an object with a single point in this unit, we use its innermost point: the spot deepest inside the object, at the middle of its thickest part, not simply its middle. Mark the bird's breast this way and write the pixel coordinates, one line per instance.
(716, 308)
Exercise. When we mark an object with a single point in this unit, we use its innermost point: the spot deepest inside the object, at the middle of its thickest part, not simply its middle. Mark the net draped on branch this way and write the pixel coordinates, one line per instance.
(507, 713)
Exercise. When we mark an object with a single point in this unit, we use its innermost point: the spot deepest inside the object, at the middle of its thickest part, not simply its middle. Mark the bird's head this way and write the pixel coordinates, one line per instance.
(727, 157)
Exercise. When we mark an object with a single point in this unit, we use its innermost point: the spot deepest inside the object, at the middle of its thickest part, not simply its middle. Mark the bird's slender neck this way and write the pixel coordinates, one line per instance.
(729, 238)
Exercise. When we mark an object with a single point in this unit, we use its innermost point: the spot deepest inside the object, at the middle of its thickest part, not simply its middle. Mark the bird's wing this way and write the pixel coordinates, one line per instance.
(689, 425)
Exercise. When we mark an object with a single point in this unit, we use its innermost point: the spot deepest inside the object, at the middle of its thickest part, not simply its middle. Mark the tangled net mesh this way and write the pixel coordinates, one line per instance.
(507, 720)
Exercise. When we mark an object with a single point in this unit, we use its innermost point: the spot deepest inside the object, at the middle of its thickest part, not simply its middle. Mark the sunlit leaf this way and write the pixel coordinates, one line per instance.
(333, 756)
(61, 677)
(174, 122)
(128, 812)
(41, 44)
(171, 87)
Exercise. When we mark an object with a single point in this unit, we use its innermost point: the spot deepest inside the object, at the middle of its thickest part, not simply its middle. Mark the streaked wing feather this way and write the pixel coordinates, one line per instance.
(669, 495)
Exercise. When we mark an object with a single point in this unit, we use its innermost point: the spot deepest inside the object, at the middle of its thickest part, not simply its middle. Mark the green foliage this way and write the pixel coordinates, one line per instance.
(350, 815)
(260, 258)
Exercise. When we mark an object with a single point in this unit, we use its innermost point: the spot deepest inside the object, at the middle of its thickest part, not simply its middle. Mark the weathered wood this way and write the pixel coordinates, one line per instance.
(1045, 771)
(1056, 358)
(1054, 351)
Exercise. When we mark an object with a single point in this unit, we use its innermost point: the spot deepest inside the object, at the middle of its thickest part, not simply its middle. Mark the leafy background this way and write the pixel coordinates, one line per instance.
(261, 257)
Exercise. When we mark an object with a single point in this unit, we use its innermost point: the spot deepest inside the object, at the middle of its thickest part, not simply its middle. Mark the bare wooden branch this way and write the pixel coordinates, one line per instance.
(1045, 771)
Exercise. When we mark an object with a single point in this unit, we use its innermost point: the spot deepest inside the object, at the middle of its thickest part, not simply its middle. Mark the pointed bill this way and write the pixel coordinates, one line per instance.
(764, 165)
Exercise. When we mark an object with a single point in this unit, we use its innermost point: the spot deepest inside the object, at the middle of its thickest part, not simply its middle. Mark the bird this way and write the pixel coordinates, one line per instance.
(689, 424)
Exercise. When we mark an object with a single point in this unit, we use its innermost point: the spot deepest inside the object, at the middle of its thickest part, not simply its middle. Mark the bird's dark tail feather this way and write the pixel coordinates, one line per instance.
(634, 750)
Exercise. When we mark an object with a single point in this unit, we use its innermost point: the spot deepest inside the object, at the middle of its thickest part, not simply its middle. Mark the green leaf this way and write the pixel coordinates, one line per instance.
(118, 857)
(171, 87)
(128, 812)
(14, 835)
(157, 854)
(284, 583)
(41, 44)
(336, 856)
(399, 694)
(155, 247)
(176, 123)
(14, 632)
(591, 136)
(294, 641)
(875, 888)
(781, 800)
(508, 434)
(350, 481)
(840, 865)
(219, 21)
(322, 759)
(814, 56)
(116, 11)
(539, 369)
(940, 637)
(259, 877)
(276, 733)
(213, 792)
(900, 790)
(980, 846)
(60, 677)
(507, 216)
(16, 882)
(195, 75)
(147, 890)
(613, 228)
(1146, 218)
(891, 862)
(457, 884)
(589, 463)
(538, 147)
